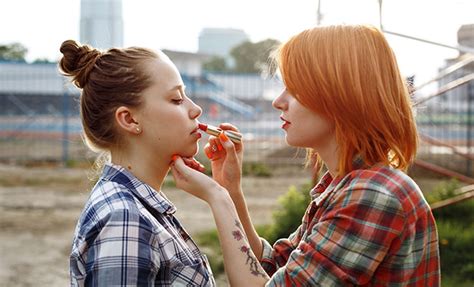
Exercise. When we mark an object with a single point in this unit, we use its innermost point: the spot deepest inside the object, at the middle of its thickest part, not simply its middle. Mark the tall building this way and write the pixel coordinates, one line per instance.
(220, 41)
(101, 23)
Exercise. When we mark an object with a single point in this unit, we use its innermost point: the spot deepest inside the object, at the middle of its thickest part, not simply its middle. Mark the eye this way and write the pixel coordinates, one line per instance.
(177, 101)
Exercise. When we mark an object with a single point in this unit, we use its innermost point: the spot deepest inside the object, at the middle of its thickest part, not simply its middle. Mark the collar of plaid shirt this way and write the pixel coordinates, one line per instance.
(327, 184)
(155, 199)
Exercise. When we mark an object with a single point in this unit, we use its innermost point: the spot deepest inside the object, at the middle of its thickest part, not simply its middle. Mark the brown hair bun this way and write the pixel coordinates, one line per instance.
(78, 61)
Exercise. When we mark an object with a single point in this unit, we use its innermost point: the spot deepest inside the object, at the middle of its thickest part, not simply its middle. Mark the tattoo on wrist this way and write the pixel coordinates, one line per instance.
(251, 260)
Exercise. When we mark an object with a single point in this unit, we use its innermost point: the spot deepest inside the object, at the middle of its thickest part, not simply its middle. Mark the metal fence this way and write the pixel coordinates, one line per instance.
(445, 121)
(39, 116)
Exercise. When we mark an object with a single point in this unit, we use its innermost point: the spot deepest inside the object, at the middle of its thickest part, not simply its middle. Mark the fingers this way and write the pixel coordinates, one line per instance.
(229, 127)
(190, 162)
(234, 130)
(213, 149)
(229, 147)
(194, 164)
(175, 173)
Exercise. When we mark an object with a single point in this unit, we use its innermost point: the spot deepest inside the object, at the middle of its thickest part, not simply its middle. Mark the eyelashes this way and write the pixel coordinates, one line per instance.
(177, 101)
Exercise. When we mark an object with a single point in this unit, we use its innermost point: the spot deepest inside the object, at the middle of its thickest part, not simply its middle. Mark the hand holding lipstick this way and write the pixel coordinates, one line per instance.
(226, 158)
(215, 131)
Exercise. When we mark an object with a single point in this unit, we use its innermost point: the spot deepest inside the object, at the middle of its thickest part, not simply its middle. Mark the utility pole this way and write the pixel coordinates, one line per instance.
(380, 15)
(318, 14)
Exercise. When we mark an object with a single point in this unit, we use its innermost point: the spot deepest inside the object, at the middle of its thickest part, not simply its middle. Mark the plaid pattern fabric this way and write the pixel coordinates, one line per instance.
(371, 227)
(118, 242)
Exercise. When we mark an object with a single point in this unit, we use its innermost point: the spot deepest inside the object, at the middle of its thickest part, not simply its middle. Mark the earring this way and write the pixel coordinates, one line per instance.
(138, 130)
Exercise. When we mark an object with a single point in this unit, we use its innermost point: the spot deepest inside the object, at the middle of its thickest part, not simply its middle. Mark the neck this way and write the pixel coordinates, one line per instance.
(329, 155)
(149, 170)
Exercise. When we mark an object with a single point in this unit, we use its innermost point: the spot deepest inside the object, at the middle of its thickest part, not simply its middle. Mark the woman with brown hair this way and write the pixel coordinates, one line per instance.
(368, 223)
(133, 107)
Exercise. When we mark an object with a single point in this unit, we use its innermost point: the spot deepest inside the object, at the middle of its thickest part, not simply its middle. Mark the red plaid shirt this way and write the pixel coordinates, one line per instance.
(371, 227)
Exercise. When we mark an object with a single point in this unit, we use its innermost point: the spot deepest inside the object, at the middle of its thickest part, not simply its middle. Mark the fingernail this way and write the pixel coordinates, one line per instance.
(220, 147)
(209, 154)
(223, 137)
(174, 157)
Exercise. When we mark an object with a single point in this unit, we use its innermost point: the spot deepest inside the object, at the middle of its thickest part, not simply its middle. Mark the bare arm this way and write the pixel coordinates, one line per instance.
(242, 266)
(226, 161)
(249, 228)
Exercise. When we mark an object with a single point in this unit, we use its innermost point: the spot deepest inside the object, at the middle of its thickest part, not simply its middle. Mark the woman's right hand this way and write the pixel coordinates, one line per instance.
(191, 179)
(226, 159)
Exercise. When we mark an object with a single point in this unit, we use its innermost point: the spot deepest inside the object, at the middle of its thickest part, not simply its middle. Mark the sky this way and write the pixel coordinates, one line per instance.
(42, 25)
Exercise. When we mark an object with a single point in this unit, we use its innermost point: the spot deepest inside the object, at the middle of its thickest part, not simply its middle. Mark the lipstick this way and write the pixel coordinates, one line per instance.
(215, 131)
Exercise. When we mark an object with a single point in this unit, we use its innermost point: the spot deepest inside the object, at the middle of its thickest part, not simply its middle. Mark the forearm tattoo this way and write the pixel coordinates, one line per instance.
(251, 260)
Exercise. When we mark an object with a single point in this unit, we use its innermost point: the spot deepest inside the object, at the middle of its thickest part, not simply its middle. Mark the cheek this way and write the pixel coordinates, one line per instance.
(309, 132)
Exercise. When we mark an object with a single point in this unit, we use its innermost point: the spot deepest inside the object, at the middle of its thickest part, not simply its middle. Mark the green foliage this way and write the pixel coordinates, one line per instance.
(169, 182)
(456, 248)
(42, 61)
(13, 52)
(456, 236)
(216, 64)
(253, 57)
(256, 169)
(285, 220)
(443, 191)
(208, 241)
(288, 216)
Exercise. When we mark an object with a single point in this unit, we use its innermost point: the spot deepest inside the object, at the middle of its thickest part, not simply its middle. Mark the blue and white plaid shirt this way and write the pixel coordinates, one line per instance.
(118, 242)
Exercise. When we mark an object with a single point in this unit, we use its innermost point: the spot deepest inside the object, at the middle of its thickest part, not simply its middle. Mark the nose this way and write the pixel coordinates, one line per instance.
(194, 111)
(280, 102)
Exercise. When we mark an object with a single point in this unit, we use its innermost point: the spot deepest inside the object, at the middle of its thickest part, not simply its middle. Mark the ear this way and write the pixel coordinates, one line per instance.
(126, 120)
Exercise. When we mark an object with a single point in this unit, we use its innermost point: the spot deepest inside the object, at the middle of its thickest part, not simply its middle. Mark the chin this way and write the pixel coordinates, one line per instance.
(293, 143)
(190, 152)
(290, 142)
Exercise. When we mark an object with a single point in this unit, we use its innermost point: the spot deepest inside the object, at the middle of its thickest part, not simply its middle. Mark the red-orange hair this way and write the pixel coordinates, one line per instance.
(349, 75)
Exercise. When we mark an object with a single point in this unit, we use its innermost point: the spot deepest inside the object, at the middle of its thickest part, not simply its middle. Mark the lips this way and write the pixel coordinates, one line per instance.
(194, 130)
(283, 119)
(285, 123)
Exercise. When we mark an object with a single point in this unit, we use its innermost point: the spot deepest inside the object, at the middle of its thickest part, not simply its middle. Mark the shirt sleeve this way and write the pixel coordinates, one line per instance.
(122, 252)
(277, 256)
(347, 244)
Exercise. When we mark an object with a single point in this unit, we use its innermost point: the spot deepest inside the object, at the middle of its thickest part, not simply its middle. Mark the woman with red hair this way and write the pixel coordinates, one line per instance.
(368, 222)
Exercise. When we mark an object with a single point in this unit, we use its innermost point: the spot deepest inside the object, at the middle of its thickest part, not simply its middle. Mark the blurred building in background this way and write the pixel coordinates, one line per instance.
(460, 95)
(186, 62)
(101, 23)
(466, 35)
(220, 41)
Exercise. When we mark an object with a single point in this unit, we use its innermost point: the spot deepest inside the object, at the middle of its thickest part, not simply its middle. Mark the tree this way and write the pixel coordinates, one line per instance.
(13, 52)
(253, 57)
(215, 64)
(42, 61)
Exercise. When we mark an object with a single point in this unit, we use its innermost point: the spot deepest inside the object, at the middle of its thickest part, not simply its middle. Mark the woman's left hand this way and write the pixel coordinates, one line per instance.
(192, 180)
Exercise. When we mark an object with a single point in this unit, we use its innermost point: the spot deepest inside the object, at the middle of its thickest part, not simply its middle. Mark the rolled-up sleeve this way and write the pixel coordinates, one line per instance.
(267, 261)
(276, 256)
